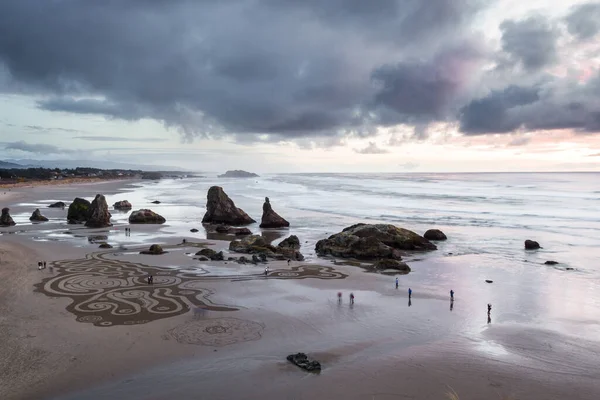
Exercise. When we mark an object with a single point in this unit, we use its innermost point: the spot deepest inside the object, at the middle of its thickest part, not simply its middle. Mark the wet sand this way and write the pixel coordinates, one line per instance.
(92, 328)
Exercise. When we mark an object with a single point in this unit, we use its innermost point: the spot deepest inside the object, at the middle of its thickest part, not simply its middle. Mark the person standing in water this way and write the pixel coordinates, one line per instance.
(339, 297)
(409, 293)
(451, 294)
(351, 298)
(396, 282)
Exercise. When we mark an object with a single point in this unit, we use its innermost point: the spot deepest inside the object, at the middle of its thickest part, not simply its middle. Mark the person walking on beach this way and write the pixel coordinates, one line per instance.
(289, 261)
(409, 293)
(44, 264)
(351, 298)
(489, 308)
(396, 282)
(339, 297)
(266, 271)
(451, 294)
(39, 265)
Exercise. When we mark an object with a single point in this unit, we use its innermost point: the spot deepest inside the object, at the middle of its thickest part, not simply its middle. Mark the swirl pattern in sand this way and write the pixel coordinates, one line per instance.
(217, 331)
(107, 291)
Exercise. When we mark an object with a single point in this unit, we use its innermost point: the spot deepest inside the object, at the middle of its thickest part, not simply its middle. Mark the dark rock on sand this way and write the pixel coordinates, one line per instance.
(105, 246)
(570, 269)
(6, 219)
(551, 262)
(211, 254)
(435, 234)
(58, 204)
(290, 254)
(531, 245)
(122, 205)
(270, 219)
(391, 264)
(99, 217)
(220, 209)
(489, 281)
(79, 211)
(155, 249)
(156, 202)
(238, 174)
(291, 242)
(193, 230)
(252, 244)
(372, 242)
(146, 217)
(203, 258)
(37, 216)
(242, 260)
(302, 361)
(232, 231)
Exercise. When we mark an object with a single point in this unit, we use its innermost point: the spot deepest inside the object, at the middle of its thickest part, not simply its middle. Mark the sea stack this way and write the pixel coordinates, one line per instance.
(5, 218)
(99, 217)
(220, 209)
(270, 219)
(79, 211)
(37, 216)
(146, 216)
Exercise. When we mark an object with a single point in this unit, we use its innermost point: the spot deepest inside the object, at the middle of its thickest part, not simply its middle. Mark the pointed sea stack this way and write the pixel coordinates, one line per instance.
(270, 219)
(5, 218)
(99, 217)
(37, 216)
(220, 209)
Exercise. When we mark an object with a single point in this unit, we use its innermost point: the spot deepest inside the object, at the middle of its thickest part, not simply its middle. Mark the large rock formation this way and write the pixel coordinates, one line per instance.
(220, 209)
(146, 217)
(290, 247)
(435, 234)
(5, 218)
(79, 211)
(531, 245)
(99, 217)
(372, 242)
(291, 242)
(122, 205)
(37, 216)
(270, 219)
(238, 173)
(58, 204)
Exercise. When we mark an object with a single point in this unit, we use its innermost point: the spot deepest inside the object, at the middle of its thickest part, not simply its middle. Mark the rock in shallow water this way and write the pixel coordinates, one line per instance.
(372, 242)
(302, 361)
(220, 209)
(58, 204)
(270, 219)
(37, 216)
(155, 249)
(99, 217)
(531, 245)
(146, 217)
(435, 234)
(6, 219)
(122, 205)
(79, 211)
(551, 262)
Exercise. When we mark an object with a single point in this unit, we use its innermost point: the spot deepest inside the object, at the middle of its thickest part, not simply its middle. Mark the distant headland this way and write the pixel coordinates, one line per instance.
(238, 173)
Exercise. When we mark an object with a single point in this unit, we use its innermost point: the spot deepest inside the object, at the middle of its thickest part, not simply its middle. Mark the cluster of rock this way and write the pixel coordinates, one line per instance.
(256, 244)
(210, 254)
(146, 216)
(93, 215)
(37, 216)
(5, 218)
(301, 360)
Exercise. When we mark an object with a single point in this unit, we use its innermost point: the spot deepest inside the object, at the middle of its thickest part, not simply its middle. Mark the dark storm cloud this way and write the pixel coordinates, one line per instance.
(584, 20)
(290, 69)
(550, 105)
(530, 42)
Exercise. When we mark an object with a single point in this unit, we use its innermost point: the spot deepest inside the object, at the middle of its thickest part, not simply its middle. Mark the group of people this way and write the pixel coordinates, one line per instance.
(150, 279)
(127, 231)
(41, 265)
(340, 297)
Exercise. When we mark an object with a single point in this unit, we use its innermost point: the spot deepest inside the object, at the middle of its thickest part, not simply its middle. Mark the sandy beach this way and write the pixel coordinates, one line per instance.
(90, 327)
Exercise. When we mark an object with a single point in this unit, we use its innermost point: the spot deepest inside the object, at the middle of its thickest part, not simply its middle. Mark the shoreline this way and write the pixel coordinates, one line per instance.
(56, 182)
(380, 348)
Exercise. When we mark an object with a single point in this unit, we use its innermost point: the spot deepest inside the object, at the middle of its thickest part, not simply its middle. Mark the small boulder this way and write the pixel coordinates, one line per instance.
(99, 217)
(391, 264)
(37, 216)
(211, 254)
(146, 217)
(122, 205)
(291, 242)
(58, 204)
(435, 234)
(531, 245)
(105, 246)
(222, 228)
(255, 259)
(5, 218)
(203, 258)
(220, 209)
(97, 238)
(270, 219)
(290, 253)
(551, 262)
(156, 202)
(79, 211)
(155, 249)
(193, 230)
(240, 231)
(301, 360)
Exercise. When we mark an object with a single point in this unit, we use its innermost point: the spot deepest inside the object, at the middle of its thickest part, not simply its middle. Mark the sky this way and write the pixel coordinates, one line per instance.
(303, 86)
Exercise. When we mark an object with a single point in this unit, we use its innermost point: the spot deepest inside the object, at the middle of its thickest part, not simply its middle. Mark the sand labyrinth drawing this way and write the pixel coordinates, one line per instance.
(108, 292)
